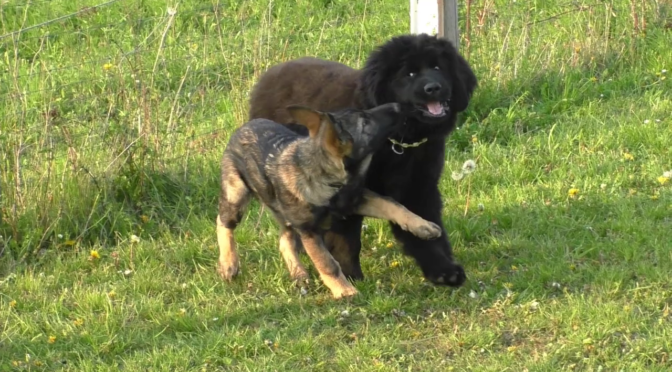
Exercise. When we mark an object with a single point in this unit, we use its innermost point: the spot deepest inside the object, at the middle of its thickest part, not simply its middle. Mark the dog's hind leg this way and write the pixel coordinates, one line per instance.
(377, 206)
(326, 265)
(232, 201)
(289, 251)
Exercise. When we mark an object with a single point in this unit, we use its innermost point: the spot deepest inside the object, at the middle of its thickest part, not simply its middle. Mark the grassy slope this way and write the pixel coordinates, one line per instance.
(115, 120)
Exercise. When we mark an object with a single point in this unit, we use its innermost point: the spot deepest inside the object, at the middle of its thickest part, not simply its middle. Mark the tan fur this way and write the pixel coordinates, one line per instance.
(377, 206)
(330, 271)
(228, 265)
(339, 249)
(289, 253)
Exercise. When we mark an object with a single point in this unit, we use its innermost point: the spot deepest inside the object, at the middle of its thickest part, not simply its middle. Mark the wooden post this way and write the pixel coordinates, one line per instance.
(436, 17)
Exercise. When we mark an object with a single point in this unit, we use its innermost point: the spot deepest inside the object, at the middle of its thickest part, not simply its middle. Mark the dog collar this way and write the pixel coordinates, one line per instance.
(399, 147)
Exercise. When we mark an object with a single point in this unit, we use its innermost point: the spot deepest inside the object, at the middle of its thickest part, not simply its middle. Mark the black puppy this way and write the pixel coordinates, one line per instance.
(433, 83)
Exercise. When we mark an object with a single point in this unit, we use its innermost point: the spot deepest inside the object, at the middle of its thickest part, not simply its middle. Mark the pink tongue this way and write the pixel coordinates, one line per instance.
(435, 108)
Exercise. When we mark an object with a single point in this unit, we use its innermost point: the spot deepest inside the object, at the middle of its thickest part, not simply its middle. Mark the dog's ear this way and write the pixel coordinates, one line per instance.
(330, 139)
(372, 88)
(307, 117)
(463, 77)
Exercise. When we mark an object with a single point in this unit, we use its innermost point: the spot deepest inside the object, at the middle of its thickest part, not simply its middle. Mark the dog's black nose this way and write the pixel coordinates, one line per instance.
(432, 88)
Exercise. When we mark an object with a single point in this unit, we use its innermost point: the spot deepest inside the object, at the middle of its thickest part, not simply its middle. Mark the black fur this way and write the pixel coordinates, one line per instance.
(441, 86)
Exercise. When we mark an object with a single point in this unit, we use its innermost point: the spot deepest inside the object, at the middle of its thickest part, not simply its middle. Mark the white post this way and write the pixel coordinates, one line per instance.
(436, 17)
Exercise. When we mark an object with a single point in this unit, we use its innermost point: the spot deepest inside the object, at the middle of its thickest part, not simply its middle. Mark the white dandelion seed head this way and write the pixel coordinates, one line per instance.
(667, 174)
(481, 207)
(663, 71)
(60, 236)
(473, 294)
(135, 239)
(469, 166)
(457, 176)
(647, 121)
(171, 11)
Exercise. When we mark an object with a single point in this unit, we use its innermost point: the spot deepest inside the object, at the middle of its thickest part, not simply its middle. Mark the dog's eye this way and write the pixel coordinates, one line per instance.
(436, 68)
(411, 74)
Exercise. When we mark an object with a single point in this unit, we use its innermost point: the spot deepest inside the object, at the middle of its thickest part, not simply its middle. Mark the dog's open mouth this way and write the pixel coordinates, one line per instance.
(434, 109)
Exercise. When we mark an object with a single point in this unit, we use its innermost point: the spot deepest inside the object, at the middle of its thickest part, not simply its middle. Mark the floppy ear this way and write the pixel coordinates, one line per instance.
(307, 117)
(372, 89)
(464, 80)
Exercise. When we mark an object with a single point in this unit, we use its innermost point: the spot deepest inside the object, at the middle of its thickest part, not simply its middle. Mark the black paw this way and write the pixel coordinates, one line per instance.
(453, 275)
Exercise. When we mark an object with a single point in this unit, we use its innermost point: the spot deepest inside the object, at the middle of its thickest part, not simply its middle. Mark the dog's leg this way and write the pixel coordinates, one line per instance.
(289, 252)
(232, 200)
(343, 241)
(421, 195)
(377, 206)
(326, 265)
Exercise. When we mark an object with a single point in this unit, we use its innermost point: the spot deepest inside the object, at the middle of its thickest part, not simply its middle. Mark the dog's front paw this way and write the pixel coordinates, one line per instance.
(425, 230)
(346, 292)
(452, 275)
(227, 270)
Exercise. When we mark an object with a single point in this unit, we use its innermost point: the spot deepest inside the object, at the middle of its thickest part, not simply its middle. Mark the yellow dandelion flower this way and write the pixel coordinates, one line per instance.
(52, 339)
(78, 322)
(663, 180)
(144, 218)
(69, 243)
(183, 311)
(94, 255)
(573, 192)
(593, 79)
(632, 192)
(111, 294)
(389, 245)
(107, 66)
(654, 197)
(628, 156)
(474, 139)
(508, 285)
(394, 264)
(12, 303)
(16, 363)
(37, 363)
(514, 268)
(511, 349)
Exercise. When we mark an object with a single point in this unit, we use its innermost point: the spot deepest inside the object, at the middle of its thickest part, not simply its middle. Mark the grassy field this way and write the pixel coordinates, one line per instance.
(112, 122)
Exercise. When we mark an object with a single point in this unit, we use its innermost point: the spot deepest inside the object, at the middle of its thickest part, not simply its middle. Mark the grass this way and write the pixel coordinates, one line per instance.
(111, 127)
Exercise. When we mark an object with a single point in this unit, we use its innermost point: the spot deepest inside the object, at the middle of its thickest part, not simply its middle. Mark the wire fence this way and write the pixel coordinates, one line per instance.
(95, 93)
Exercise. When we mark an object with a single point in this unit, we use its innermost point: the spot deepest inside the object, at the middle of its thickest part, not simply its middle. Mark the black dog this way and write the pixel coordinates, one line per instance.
(433, 83)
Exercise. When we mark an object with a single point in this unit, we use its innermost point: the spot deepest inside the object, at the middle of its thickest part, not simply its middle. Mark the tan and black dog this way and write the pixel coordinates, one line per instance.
(296, 177)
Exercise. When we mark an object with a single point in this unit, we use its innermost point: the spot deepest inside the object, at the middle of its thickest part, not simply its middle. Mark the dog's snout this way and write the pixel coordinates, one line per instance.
(432, 88)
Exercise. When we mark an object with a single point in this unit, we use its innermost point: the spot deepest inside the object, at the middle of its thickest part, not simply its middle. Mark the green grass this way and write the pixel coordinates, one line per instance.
(112, 123)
